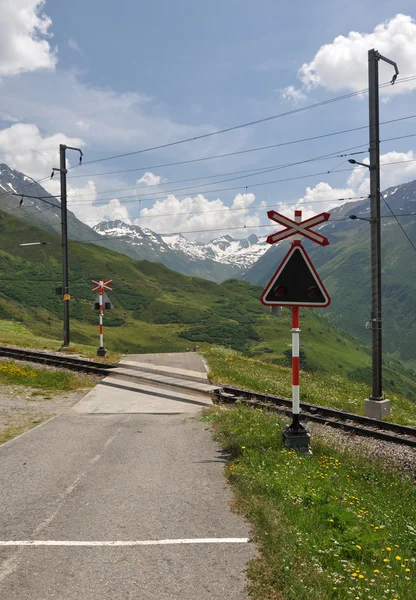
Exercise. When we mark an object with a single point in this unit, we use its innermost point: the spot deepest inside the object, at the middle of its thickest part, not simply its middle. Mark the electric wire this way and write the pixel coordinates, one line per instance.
(39, 181)
(398, 222)
(244, 172)
(205, 158)
(241, 227)
(247, 124)
(145, 198)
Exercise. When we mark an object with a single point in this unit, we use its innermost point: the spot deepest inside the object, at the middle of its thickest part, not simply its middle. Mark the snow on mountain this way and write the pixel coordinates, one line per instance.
(131, 234)
(225, 250)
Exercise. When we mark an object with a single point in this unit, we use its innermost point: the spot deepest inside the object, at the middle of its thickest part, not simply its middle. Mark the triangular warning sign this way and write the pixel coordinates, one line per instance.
(296, 283)
(107, 304)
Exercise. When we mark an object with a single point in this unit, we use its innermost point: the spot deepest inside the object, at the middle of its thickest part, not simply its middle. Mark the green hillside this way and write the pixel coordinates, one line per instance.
(158, 310)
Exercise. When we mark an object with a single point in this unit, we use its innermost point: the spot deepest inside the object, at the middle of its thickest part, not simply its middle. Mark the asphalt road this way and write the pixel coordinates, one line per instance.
(118, 477)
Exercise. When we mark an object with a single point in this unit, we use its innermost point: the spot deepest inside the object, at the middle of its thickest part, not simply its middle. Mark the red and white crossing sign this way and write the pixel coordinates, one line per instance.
(102, 284)
(296, 283)
(298, 228)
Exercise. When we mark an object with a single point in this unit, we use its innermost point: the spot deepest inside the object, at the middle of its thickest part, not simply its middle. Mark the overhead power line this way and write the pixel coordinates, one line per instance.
(144, 198)
(244, 125)
(238, 152)
(201, 159)
(242, 208)
(227, 228)
(244, 172)
(233, 128)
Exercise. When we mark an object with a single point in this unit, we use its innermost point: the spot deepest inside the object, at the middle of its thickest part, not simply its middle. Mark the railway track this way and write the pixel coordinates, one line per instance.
(364, 426)
(65, 362)
(356, 424)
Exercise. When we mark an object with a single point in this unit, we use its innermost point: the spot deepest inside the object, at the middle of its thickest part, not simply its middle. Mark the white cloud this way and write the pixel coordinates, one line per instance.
(117, 122)
(322, 197)
(72, 43)
(149, 179)
(343, 63)
(81, 201)
(391, 174)
(23, 147)
(22, 32)
(198, 213)
(292, 93)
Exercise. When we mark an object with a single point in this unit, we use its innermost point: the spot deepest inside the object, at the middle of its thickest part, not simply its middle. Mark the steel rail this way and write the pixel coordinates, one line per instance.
(357, 424)
(66, 362)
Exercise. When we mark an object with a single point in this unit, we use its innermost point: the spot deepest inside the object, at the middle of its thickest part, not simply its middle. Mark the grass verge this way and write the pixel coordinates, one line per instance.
(333, 526)
(16, 334)
(317, 387)
(49, 379)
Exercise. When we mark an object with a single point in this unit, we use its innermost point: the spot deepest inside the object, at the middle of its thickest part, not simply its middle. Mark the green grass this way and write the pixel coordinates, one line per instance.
(333, 526)
(13, 333)
(13, 373)
(324, 389)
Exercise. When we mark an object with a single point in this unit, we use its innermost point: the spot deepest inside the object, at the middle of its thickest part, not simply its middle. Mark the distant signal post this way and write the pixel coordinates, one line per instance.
(296, 283)
(102, 302)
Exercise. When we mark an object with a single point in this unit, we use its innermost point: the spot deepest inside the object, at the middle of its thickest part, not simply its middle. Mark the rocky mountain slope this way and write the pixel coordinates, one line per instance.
(234, 255)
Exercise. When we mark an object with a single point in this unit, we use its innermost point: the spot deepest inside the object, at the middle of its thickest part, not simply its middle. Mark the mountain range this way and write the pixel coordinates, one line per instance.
(344, 265)
(217, 260)
(233, 255)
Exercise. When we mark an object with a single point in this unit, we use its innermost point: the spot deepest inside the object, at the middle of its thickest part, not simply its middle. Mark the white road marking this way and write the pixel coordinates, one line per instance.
(11, 564)
(125, 543)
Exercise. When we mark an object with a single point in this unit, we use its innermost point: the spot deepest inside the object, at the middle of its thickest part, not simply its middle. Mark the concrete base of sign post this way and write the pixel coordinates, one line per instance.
(376, 409)
(101, 352)
(297, 439)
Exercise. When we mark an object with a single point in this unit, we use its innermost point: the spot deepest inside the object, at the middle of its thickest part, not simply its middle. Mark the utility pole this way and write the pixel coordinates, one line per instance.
(376, 406)
(64, 228)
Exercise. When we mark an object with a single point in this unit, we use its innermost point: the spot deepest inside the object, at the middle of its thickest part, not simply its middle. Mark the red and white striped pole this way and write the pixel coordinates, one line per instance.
(295, 347)
(101, 285)
(101, 348)
(295, 368)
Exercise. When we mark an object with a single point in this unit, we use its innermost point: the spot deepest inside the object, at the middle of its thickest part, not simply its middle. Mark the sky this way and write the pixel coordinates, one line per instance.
(119, 78)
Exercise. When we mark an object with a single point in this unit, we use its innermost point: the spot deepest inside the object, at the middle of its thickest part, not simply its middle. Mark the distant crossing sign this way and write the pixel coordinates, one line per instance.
(298, 228)
(103, 284)
(296, 283)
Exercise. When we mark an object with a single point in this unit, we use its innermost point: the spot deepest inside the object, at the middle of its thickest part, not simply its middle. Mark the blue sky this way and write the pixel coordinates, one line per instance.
(118, 77)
